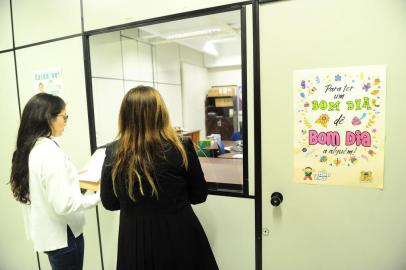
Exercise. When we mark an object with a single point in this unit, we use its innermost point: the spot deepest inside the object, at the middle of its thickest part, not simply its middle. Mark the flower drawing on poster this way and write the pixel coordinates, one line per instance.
(339, 126)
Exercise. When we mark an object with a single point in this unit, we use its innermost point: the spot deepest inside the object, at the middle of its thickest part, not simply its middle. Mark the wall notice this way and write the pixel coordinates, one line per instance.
(48, 81)
(339, 126)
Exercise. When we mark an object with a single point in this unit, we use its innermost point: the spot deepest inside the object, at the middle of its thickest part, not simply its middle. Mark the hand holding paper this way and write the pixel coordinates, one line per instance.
(90, 176)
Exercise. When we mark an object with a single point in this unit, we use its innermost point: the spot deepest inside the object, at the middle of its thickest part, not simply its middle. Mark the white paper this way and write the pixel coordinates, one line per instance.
(92, 170)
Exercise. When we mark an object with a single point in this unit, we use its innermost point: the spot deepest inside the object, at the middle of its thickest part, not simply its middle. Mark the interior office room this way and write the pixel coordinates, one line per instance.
(242, 79)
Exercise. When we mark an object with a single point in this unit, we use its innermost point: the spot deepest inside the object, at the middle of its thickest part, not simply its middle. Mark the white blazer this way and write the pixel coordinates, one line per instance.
(56, 200)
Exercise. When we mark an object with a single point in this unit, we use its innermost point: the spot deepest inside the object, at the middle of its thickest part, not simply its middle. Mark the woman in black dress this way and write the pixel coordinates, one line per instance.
(152, 176)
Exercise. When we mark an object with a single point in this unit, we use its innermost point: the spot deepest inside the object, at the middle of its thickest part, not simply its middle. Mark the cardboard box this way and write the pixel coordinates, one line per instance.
(201, 152)
(213, 92)
(231, 91)
(222, 91)
(224, 102)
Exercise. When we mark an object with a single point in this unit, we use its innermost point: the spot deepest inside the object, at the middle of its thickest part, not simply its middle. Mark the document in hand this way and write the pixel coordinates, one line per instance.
(92, 170)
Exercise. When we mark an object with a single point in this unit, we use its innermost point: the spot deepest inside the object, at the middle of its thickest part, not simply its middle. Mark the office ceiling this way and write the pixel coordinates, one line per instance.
(200, 33)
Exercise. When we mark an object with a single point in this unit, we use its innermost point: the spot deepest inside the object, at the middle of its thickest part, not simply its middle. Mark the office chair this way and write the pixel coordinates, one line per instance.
(236, 136)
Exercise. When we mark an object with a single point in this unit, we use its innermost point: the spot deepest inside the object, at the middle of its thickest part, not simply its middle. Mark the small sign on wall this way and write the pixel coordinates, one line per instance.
(48, 81)
(339, 126)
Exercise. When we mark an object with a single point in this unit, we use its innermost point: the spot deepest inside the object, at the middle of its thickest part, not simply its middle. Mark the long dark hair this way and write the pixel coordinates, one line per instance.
(144, 126)
(36, 121)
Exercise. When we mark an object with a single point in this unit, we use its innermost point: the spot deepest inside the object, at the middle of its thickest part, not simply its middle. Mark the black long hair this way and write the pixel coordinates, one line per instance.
(36, 121)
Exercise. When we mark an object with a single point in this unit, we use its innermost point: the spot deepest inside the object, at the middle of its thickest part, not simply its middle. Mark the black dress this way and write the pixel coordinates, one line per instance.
(163, 233)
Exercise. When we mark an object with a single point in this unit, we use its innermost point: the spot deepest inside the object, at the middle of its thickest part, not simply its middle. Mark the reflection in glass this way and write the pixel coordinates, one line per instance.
(196, 65)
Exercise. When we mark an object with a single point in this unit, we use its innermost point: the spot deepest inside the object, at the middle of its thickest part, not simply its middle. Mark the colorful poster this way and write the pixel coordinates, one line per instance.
(339, 128)
(48, 81)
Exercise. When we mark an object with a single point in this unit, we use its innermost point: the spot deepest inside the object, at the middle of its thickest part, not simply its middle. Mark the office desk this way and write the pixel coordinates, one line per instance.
(231, 155)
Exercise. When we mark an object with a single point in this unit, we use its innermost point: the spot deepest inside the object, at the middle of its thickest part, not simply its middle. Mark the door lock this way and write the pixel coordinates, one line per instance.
(276, 199)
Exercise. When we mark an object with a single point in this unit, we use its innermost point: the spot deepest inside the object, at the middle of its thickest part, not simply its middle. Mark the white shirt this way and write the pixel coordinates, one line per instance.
(56, 200)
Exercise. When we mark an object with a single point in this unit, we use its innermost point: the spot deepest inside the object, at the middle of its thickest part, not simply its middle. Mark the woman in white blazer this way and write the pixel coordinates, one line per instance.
(46, 182)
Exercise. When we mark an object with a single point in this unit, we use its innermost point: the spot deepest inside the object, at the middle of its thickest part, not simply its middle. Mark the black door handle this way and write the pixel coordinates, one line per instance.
(276, 198)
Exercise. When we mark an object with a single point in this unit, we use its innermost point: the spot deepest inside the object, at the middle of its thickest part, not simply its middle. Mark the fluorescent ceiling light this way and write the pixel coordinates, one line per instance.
(210, 48)
(193, 33)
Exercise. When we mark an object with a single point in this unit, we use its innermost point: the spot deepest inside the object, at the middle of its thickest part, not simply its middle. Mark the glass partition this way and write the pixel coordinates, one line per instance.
(196, 65)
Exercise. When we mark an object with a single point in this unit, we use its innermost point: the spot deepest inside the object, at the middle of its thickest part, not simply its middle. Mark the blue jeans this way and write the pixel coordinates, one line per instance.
(70, 257)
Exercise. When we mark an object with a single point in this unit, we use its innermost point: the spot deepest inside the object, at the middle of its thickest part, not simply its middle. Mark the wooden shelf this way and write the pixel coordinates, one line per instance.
(221, 123)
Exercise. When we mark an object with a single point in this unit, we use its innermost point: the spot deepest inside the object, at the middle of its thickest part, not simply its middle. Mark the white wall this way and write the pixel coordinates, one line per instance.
(115, 57)
(118, 58)
(6, 41)
(106, 56)
(167, 59)
(128, 85)
(53, 55)
(228, 75)
(137, 60)
(109, 223)
(172, 95)
(98, 13)
(194, 89)
(13, 243)
(120, 63)
(191, 56)
(36, 21)
(107, 97)
(195, 84)
(168, 79)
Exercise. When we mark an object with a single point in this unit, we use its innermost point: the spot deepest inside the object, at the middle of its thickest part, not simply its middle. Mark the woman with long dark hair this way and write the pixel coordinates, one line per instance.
(152, 176)
(45, 181)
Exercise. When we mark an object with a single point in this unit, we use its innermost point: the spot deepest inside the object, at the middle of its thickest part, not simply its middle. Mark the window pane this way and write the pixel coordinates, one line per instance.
(196, 66)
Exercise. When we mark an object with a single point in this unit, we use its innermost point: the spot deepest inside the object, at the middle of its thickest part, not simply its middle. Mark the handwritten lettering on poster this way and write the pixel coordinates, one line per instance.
(339, 127)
